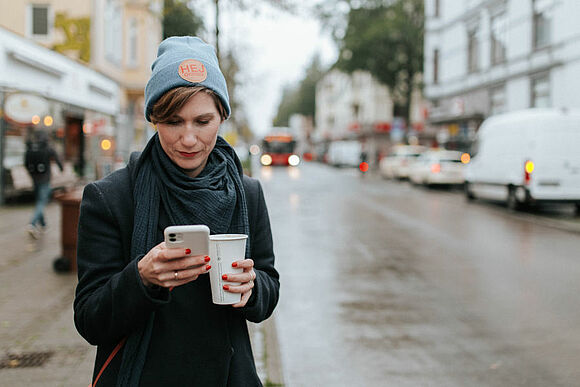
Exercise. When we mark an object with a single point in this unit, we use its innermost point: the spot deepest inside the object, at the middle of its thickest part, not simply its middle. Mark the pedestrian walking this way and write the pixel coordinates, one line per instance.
(149, 308)
(37, 159)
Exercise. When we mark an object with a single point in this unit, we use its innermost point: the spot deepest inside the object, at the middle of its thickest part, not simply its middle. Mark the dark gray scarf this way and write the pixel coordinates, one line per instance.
(215, 198)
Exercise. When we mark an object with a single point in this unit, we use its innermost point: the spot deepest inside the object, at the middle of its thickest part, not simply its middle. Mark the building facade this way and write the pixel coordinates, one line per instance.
(357, 107)
(43, 90)
(125, 36)
(352, 107)
(118, 38)
(484, 57)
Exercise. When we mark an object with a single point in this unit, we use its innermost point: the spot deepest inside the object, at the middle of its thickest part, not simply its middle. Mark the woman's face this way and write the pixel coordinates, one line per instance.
(188, 137)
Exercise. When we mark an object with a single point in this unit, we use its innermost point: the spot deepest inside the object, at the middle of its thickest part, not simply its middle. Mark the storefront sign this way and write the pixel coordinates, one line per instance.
(354, 127)
(382, 126)
(22, 108)
(97, 124)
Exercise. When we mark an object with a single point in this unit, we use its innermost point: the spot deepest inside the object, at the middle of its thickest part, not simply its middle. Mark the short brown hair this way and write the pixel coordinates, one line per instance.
(176, 98)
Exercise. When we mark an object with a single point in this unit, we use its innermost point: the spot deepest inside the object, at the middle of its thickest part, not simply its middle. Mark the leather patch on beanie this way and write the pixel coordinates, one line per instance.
(192, 71)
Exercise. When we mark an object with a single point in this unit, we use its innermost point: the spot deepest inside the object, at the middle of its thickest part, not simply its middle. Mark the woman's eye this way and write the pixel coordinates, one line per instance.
(203, 122)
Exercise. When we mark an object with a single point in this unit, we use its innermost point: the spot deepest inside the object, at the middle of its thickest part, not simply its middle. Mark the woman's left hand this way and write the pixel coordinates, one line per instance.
(246, 279)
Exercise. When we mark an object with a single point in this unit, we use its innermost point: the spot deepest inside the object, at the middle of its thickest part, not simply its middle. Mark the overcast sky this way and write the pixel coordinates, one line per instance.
(273, 48)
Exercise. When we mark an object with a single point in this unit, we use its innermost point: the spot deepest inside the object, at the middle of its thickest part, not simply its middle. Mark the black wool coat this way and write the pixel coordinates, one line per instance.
(194, 342)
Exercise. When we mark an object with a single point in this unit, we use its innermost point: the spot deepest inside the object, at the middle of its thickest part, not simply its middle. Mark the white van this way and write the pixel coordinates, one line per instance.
(527, 157)
(344, 153)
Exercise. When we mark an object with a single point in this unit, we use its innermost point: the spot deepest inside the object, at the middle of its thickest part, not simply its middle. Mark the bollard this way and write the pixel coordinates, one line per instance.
(70, 209)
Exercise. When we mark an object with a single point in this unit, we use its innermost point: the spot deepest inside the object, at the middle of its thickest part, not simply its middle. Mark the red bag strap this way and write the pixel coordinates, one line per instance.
(109, 359)
(112, 356)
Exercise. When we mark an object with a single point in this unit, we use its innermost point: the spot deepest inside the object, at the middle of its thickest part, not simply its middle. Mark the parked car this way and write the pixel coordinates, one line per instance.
(344, 153)
(527, 157)
(397, 163)
(438, 167)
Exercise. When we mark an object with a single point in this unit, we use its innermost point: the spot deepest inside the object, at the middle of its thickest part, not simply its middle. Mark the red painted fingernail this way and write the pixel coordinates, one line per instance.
(235, 264)
(226, 287)
(187, 251)
(207, 258)
(225, 277)
(207, 267)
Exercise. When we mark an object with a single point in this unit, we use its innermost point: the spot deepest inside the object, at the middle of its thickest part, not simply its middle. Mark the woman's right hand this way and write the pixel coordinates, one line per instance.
(171, 267)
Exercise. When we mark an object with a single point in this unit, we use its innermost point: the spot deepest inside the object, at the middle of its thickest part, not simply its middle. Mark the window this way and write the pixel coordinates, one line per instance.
(542, 23)
(540, 91)
(473, 3)
(355, 110)
(330, 121)
(472, 51)
(498, 38)
(40, 20)
(113, 32)
(436, 66)
(132, 43)
(497, 99)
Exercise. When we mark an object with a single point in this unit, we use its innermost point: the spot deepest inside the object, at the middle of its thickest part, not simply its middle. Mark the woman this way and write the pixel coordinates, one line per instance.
(131, 287)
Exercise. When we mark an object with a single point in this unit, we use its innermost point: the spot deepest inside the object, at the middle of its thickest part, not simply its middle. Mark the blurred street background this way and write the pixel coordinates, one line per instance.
(385, 284)
(419, 160)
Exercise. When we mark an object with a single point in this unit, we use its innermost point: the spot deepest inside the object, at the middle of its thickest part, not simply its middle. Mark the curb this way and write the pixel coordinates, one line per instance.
(265, 345)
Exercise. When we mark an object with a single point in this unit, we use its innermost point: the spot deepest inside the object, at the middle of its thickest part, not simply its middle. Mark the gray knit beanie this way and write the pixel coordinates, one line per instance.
(185, 61)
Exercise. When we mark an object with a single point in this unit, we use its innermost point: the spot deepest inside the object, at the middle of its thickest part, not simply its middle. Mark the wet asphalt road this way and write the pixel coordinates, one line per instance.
(386, 284)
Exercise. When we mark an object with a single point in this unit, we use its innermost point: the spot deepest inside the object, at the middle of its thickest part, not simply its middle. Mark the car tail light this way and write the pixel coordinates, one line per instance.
(528, 169)
(435, 168)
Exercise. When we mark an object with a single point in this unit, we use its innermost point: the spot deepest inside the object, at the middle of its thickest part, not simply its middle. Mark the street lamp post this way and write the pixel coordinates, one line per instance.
(2, 141)
(217, 28)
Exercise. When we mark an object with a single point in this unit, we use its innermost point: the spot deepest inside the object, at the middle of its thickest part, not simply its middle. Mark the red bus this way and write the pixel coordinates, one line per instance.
(278, 149)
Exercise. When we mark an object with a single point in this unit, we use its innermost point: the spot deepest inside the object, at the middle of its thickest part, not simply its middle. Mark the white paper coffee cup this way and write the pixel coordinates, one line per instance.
(224, 249)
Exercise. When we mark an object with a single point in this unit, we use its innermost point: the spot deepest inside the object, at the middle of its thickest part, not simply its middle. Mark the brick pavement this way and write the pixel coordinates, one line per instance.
(36, 315)
(36, 305)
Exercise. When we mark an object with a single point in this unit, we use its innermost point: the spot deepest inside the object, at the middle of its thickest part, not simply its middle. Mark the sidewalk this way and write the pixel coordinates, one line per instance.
(39, 345)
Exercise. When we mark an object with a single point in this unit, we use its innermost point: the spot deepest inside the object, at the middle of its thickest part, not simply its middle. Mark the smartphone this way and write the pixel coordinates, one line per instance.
(193, 237)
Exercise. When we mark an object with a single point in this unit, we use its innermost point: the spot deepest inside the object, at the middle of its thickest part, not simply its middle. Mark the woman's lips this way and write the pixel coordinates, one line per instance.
(188, 154)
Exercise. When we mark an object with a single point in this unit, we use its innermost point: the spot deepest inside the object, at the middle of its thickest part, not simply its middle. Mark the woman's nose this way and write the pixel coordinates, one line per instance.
(189, 137)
